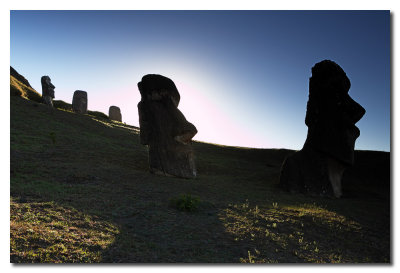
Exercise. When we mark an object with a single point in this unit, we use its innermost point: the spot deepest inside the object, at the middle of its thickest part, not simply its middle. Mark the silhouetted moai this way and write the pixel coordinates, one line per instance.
(114, 113)
(47, 90)
(80, 102)
(164, 128)
(331, 116)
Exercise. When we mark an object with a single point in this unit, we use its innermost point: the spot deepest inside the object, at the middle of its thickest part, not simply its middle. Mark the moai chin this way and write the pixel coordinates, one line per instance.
(80, 102)
(114, 113)
(47, 90)
(331, 116)
(164, 128)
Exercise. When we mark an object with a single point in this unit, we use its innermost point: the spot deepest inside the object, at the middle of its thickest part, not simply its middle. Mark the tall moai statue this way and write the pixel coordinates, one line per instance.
(47, 90)
(80, 102)
(317, 169)
(114, 113)
(164, 128)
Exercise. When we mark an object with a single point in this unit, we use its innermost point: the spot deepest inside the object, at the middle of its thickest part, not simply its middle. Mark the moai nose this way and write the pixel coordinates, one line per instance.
(354, 110)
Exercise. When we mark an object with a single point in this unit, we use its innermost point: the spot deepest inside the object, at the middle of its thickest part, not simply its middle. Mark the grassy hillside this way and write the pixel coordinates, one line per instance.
(81, 192)
(24, 90)
(62, 105)
(19, 86)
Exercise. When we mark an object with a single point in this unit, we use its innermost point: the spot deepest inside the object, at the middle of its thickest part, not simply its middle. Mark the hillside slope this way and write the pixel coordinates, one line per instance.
(81, 192)
(19, 86)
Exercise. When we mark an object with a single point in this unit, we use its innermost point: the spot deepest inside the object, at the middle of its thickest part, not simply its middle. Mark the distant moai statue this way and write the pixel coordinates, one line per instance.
(114, 113)
(164, 128)
(80, 102)
(47, 90)
(317, 169)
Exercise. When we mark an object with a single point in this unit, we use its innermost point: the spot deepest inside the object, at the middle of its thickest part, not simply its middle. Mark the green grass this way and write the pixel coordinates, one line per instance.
(185, 202)
(17, 88)
(98, 114)
(81, 192)
(44, 232)
(62, 105)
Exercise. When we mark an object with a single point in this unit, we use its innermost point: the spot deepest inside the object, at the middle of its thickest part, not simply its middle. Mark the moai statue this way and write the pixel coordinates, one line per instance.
(331, 116)
(114, 113)
(47, 90)
(79, 102)
(164, 128)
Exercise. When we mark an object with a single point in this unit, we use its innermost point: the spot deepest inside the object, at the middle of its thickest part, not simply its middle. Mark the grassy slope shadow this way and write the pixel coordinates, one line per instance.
(81, 192)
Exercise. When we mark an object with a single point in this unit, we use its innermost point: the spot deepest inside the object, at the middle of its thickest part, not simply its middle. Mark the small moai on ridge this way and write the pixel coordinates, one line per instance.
(80, 102)
(165, 129)
(47, 90)
(114, 113)
(317, 169)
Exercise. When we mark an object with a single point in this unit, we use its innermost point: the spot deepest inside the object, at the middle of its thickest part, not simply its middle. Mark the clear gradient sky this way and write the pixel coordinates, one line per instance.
(242, 75)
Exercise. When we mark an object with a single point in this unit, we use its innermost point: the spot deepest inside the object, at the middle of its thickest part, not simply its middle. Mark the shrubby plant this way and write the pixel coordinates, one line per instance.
(185, 202)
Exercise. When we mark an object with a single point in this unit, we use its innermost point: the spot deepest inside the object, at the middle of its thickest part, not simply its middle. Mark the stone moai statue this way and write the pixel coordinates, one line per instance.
(164, 128)
(331, 116)
(47, 90)
(114, 113)
(80, 102)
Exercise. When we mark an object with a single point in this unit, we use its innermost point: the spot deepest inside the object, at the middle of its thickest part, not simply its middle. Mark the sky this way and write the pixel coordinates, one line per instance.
(242, 75)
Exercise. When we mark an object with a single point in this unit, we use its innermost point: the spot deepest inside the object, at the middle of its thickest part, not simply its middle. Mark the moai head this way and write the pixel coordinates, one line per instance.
(114, 113)
(47, 87)
(164, 128)
(332, 113)
(80, 102)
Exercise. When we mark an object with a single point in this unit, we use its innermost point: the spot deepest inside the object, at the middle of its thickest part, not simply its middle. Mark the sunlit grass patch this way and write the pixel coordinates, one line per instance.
(97, 114)
(106, 123)
(307, 232)
(117, 124)
(62, 105)
(45, 232)
(18, 88)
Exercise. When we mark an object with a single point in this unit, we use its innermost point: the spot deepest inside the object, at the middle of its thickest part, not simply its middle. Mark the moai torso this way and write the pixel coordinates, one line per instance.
(80, 102)
(114, 113)
(329, 148)
(47, 90)
(164, 128)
